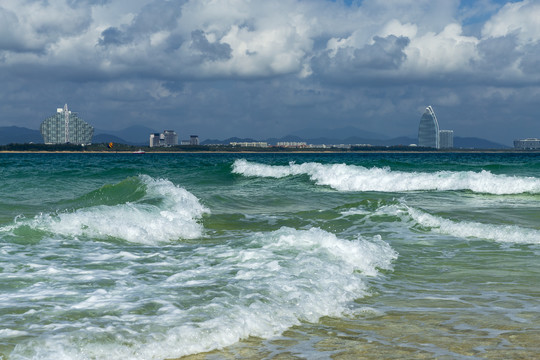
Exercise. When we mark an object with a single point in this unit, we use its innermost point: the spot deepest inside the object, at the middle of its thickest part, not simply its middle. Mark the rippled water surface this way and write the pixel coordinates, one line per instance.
(211, 256)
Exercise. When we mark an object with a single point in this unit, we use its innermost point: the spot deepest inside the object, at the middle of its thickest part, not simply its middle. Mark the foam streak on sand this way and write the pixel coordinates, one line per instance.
(344, 177)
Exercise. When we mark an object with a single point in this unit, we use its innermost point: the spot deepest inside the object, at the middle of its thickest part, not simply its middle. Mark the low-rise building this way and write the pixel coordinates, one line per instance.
(527, 144)
(170, 137)
(154, 140)
(166, 138)
(250, 144)
(293, 144)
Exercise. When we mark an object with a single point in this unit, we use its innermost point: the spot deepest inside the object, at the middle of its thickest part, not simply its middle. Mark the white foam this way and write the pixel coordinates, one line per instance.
(172, 214)
(463, 229)
(7, 333)
(259, 286)
(468, 229)
(344, 177)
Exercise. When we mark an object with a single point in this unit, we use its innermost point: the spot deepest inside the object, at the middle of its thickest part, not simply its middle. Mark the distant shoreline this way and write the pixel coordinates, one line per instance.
(284, 151)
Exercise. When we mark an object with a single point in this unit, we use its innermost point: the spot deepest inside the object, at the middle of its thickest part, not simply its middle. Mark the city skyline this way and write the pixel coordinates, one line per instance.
(222, 69)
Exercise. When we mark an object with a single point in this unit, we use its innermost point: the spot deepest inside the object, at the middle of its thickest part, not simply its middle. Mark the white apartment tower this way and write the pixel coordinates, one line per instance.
(446, 139)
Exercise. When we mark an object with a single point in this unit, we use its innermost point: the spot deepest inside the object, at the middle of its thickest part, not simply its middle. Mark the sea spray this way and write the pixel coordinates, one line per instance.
(344, 177)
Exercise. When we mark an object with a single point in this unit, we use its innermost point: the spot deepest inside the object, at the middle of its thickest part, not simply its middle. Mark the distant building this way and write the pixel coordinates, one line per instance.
(194, 140)
(428, 131)
(166, 138)
(250, 144)
(293, 144)
(527, 144)
(154, 140)
(170, 138)
(66, 127)
(446, 139)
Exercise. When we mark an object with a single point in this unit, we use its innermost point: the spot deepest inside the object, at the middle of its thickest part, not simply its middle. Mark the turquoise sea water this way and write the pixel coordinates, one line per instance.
(308, 256)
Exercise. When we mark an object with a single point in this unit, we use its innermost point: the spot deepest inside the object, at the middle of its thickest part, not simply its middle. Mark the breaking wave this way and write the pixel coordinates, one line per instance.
(139, 210)
(463, 229)
(470, 229)
(258, 286)
(344, 177)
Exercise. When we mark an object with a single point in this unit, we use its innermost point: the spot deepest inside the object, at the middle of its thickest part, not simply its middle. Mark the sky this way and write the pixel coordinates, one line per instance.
(259, 69)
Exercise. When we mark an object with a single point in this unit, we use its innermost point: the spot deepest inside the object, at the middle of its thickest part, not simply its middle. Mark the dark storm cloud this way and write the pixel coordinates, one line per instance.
(530, 63)
(154, 17)
(113, 36)
(384, 53)
(498, 53)
(157, 16)
(350, 65)
(8, 26)
(209, 51)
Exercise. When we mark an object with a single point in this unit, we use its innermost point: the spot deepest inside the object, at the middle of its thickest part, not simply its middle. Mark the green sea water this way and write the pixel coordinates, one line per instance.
(269, 256)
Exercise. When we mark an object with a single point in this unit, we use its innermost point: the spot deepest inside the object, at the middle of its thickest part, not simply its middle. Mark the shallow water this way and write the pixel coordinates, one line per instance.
(210, 256)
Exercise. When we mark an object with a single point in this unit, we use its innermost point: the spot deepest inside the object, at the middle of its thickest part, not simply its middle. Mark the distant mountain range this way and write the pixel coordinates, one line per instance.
(139, 135)
(19, 135)
(133, 135)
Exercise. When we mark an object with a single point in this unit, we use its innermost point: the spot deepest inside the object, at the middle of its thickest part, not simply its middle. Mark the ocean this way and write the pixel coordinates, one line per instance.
(270, 256)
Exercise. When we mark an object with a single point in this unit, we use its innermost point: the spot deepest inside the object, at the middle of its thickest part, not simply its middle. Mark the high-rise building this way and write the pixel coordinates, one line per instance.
(194, 140)
(428, 131)
(66, 127)
(446, 139)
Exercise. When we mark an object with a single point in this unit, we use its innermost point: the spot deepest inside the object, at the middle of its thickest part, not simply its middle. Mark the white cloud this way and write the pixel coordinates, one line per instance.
(231, 39)
(447, 51)
(34, 25)
(395, 27)
(521, 18)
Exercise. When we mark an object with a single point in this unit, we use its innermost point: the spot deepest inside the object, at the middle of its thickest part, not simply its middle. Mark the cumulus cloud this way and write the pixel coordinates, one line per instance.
(243, 39)
(519, 18)
(446, 51)
(33, 26)
(281, 59)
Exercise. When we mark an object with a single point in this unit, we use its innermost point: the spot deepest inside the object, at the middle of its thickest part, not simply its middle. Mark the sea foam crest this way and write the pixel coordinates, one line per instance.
(463, 229)
(257, 286)
(470, 229)
(167, 212)
(344, 177)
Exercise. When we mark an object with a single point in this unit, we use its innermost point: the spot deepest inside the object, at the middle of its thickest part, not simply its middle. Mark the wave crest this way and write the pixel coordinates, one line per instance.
(344, 177)
(164, 212)
(462, 229)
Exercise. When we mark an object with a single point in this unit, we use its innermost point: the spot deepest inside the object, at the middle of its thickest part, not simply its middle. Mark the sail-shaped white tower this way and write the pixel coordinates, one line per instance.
(428, 131)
